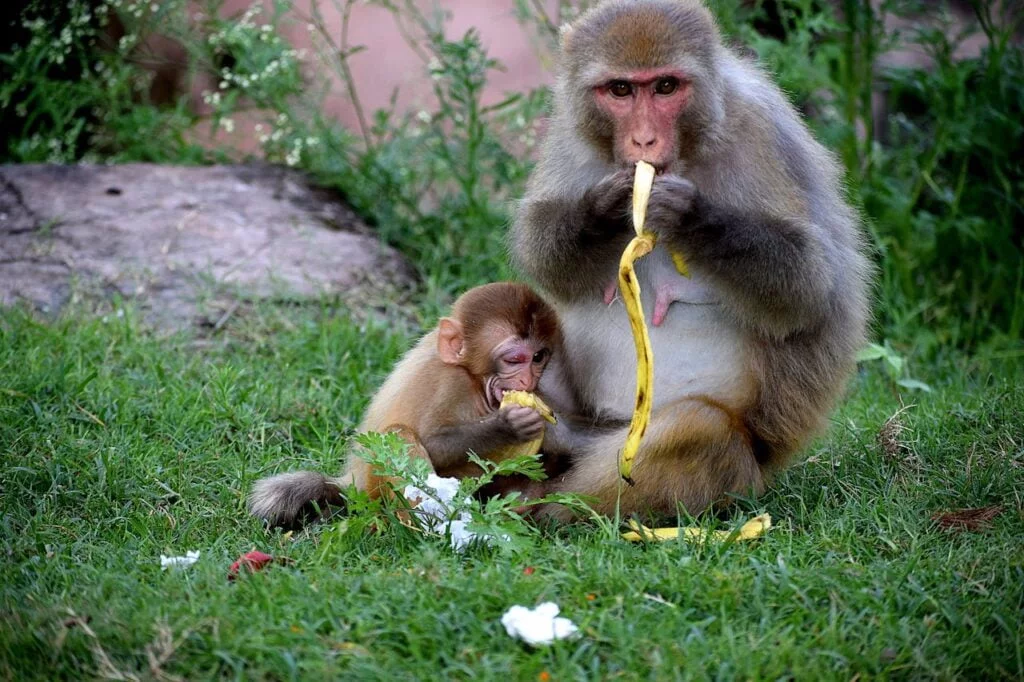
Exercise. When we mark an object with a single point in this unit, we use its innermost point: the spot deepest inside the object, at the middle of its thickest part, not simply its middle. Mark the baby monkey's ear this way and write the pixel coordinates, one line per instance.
(451, 344)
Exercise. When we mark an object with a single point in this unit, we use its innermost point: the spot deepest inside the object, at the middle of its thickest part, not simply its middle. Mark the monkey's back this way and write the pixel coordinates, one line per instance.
(407, 389)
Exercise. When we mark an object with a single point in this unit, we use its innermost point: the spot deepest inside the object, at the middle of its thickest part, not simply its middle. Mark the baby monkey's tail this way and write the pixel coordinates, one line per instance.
(289, 500)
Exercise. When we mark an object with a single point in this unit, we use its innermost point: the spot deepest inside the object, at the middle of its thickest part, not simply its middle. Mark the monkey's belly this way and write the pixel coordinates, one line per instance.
(697, 351)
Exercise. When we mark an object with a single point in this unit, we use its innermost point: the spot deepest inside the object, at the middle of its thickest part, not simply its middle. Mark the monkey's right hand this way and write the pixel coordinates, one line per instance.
(521, 424)
(608, 204)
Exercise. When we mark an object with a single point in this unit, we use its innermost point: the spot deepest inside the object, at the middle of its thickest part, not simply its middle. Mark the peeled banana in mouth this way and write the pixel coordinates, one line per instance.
(523, 399)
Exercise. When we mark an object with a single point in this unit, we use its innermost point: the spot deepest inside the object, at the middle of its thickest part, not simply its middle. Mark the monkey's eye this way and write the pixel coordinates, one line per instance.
(666, 86)
(620, 89)
(541, 355)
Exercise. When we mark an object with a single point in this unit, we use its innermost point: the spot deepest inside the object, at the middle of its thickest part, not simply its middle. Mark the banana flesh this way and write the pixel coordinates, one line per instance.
(523, 399)
(643, 182)
(752, 529)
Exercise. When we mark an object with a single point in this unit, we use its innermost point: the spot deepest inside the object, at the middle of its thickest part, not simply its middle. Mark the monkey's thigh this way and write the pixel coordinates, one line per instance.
(694, 453)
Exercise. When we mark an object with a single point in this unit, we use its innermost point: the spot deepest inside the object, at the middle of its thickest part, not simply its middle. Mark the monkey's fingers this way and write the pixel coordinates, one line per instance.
(531, 400)
(630, 288)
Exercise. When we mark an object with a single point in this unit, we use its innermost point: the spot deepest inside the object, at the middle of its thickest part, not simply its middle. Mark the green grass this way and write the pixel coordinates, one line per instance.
(119, 446)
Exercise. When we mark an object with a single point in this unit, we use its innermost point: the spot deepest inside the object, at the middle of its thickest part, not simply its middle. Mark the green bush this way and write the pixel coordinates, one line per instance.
(939, 184)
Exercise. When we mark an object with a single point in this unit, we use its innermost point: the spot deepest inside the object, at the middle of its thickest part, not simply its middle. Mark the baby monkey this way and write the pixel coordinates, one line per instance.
(443, 398)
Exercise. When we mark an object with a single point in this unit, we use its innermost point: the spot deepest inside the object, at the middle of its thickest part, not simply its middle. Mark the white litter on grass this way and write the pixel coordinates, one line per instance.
(537, 626)
(434, 508)
(179, 561)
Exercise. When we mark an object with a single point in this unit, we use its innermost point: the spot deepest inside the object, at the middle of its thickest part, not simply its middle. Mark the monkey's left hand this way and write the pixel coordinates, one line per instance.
(672, 209)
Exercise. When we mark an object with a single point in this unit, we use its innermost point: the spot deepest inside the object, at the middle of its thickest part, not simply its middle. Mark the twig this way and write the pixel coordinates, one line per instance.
(346, 73)
(107, 670)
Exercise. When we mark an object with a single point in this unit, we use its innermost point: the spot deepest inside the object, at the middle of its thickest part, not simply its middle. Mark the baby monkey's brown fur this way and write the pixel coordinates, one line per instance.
(443, 399)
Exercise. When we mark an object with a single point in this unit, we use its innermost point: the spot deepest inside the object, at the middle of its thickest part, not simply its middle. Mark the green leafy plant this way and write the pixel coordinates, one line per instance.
(895, 365)
(938, 176)
(499, 518)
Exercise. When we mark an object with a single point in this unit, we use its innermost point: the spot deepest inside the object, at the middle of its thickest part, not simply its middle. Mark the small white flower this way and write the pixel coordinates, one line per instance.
(179, 561)
(537, 626)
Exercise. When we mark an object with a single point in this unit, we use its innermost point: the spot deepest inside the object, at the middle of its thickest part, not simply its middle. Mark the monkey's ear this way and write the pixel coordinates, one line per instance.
(450, 341)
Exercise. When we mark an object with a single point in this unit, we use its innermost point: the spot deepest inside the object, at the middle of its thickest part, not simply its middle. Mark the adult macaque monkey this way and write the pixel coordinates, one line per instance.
(752, 355)
(443, 398)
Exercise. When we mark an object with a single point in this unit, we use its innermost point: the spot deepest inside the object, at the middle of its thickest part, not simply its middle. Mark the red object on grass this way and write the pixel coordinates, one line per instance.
(253, 561)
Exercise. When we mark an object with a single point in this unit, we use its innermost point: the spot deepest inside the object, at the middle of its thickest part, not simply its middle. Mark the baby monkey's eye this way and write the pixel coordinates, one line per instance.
(620, 89)
(666, 86)
(541, 355)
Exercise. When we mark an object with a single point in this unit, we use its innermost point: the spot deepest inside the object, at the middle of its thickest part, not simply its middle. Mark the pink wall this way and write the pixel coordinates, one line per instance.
(388, 62)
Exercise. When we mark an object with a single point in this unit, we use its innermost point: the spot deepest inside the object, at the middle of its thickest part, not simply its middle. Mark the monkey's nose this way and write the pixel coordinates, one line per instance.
(644, 141)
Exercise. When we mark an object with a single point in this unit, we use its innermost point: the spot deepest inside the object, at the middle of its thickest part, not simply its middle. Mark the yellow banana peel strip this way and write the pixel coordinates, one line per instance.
(523, 399)
(680, 263)
(640, 245)
(630, 288)
(751, 530)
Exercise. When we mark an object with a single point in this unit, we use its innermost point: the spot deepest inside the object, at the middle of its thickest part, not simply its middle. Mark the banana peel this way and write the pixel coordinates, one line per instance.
(523, 399)
(629, 286)
(642, 244)
(752, 529)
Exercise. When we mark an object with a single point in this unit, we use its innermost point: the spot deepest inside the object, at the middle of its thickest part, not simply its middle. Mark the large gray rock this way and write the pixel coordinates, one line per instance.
(175, 238)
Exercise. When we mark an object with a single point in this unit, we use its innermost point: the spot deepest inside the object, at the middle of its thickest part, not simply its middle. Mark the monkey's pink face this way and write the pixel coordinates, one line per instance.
(518, 365)
(644, 107)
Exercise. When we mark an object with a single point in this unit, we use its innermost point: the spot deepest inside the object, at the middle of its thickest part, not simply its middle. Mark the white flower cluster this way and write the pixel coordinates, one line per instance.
(435, 502)
(282, 138)
(78, 29)
(241, 37)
